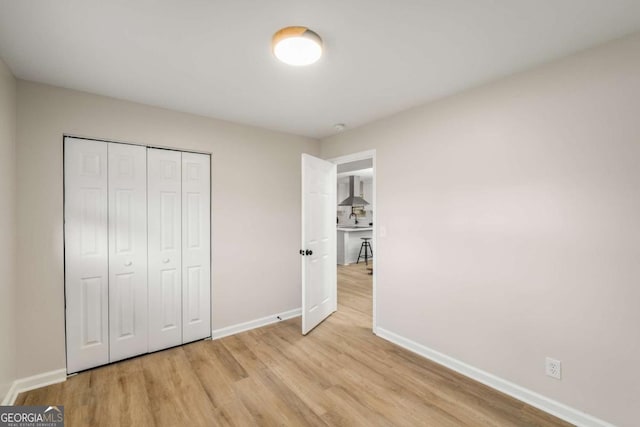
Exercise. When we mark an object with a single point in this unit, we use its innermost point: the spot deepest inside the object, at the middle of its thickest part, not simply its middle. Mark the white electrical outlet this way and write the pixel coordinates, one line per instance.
(553, 368)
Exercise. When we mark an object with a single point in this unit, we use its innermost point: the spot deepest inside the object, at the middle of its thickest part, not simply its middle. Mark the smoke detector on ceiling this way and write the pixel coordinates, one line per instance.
(339, 127)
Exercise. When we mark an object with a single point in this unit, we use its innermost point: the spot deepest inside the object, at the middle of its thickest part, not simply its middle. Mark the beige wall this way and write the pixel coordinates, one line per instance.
(255, 215)
(512, 215)
(7, 227)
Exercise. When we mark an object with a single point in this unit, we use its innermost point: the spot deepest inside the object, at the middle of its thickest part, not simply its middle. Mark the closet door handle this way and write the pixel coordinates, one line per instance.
(128, 264)
(166, 260)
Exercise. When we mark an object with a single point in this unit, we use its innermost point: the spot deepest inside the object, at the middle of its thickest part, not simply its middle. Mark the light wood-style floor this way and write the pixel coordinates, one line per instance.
(340, 374)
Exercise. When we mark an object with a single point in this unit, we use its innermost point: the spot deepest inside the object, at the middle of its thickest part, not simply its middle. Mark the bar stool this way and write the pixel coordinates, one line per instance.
(366, 247)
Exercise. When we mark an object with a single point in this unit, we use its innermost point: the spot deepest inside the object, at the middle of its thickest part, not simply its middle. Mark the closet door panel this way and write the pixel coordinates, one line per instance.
(196, 255)
(86, 253)
(127, 250)
(164, 183)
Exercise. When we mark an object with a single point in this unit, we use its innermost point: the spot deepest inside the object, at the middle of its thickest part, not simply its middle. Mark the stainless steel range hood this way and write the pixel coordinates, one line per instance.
(353, 200)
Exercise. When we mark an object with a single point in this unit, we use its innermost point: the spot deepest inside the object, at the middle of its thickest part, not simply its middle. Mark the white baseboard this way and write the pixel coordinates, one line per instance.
(532, 398)
(252, 324)
(36, 381)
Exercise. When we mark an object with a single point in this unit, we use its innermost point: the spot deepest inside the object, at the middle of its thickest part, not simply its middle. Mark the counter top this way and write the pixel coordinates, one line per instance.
(352, 228)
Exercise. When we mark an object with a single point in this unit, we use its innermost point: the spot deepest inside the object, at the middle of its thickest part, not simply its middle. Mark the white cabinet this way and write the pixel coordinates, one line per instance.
(349, 244)
(137, 250)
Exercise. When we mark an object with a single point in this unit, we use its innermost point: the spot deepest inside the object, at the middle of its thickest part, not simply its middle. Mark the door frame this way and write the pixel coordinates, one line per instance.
(348, 158)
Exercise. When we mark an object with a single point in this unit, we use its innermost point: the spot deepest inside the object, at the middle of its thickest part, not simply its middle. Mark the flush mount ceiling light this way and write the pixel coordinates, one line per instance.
(297, 46)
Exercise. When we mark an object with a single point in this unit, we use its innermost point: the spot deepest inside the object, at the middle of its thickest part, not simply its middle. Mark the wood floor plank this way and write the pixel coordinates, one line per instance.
(233, 414)
(340, 374)
(247, 358)
(176, 395)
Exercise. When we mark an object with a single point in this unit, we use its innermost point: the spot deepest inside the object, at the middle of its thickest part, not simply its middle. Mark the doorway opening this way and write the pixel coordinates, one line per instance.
(356, 224)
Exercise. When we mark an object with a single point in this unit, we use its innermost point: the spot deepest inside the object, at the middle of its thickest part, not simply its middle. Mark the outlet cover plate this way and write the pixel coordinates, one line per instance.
(553, 368)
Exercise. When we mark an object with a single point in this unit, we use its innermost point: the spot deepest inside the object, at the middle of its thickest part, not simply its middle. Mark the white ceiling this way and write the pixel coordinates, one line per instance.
(212, 57)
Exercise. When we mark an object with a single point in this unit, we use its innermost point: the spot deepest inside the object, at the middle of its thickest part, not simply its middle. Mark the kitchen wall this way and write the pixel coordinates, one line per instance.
(342, 193)
(7, 228)
(522, 237)
(255, 208)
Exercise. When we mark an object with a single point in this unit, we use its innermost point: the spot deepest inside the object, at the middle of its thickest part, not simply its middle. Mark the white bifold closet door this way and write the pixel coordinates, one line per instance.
(127, 251)
(196, 247)
(137, 250)
(86, 254)
(105, 252)
(164, 186)
(179, 247)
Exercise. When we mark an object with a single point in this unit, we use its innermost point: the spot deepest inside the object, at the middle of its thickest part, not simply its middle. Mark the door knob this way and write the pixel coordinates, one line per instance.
(128, 264)
(166, 260)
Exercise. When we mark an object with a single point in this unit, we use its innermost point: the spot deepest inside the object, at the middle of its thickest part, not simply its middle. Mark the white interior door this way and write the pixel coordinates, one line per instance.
(319, 286)
(127, 251)
(196, 255)
(86, 253)
(164, 184)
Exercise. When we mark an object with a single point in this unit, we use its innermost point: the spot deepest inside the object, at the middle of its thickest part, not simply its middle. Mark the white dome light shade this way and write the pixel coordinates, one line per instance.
(297, 46)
